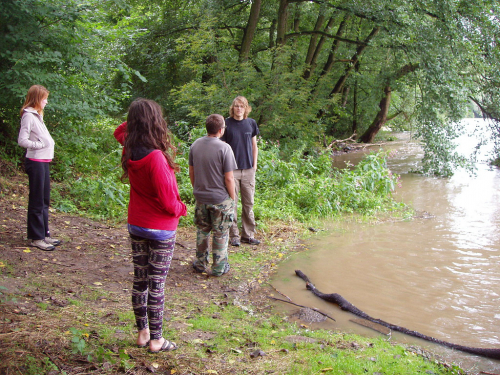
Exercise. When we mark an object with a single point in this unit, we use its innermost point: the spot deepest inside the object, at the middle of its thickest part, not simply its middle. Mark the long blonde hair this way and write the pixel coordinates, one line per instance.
(34, 98)
(242, 100)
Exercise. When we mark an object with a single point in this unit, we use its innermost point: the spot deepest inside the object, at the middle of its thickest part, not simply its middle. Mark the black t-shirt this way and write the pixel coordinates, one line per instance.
(239, 136)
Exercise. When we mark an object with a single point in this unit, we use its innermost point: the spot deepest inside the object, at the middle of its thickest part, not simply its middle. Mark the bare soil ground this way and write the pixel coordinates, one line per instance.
(44, 294)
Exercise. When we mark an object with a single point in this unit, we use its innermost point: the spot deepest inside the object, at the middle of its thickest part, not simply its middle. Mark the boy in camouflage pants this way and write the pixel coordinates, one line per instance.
(211, 166)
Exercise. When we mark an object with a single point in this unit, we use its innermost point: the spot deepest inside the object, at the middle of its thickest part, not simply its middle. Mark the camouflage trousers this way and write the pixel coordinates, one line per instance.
(151, 264)
(215, 219)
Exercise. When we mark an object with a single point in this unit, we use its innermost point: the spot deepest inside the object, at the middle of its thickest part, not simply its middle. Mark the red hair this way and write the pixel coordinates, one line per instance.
(34, 98)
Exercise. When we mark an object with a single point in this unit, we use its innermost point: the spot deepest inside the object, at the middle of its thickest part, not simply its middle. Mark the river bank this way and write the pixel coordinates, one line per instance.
(68, 312)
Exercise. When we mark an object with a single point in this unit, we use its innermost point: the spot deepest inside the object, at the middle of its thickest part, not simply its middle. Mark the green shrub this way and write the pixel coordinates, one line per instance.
(289, 185)
(308, 187)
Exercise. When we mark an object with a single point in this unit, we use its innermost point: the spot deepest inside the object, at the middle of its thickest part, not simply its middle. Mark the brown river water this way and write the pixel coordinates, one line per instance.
(438, 274)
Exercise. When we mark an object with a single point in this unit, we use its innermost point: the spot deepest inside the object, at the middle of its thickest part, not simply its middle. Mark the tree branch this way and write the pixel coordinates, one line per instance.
(322, 33)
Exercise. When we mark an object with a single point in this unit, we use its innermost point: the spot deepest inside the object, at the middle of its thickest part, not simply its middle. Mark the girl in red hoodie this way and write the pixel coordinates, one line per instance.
(153, 214)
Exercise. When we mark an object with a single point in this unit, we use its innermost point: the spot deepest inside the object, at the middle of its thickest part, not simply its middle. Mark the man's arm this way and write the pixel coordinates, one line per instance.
(255, 152)
(230, 186)
(191, 175)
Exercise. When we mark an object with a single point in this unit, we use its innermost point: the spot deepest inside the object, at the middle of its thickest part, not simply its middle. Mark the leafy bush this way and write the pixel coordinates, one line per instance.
(308, 187)
(87, 171)
(289, 185)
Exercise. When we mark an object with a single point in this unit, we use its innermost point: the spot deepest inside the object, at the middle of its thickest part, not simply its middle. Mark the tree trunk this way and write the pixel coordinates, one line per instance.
(312, 45)
(380, 119)
(359, 51)
(249, 33)
(272, 30)
(335, 47)
(354, 128)
(207, 61)
(345, 95)
(384, 105)
(315, 49)
(282, 22)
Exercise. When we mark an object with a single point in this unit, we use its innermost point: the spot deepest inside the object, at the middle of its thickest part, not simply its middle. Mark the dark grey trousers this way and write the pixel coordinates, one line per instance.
(39, 199)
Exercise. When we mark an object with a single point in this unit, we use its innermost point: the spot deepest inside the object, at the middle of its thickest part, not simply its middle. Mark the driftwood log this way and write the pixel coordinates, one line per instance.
(347, 306)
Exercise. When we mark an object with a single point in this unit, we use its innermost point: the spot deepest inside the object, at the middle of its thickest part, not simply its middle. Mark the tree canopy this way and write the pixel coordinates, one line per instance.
(312, 70)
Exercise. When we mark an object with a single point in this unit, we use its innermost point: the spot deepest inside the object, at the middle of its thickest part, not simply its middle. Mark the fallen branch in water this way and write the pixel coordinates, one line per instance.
(352, 139)
(347, 306)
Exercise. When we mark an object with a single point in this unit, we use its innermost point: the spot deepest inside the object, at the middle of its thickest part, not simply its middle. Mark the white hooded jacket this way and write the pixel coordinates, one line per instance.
(34, 136)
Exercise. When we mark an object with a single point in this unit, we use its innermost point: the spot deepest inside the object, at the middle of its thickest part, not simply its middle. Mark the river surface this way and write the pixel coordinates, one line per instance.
(438, 274)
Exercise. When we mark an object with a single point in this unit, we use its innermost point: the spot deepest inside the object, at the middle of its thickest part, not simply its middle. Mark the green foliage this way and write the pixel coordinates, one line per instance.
(439, 157)
(78, 344)
(305, 187)
(88, 169)
(94, 56)
(99, 353)
(288, 187)
(63, 46)
(35, 366)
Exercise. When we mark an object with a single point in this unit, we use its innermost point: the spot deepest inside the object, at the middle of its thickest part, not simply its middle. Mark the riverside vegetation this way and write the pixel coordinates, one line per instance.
(69, 312)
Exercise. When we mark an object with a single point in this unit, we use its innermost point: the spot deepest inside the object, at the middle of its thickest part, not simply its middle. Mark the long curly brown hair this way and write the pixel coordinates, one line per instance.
(146, 127)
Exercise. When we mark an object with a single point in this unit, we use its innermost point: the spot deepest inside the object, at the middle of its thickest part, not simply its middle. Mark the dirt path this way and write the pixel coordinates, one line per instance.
(92, 267)
(92, 253)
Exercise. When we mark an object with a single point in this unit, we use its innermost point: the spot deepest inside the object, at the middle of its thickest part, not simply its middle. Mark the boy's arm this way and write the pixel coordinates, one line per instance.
(230, 186)
(255, 152)
(191, 175)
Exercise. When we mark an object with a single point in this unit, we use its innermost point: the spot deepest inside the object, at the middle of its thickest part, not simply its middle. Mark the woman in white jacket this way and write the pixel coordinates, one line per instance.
(35, 137)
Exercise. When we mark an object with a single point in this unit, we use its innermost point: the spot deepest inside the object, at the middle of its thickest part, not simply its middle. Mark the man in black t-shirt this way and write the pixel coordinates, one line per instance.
(241, 134)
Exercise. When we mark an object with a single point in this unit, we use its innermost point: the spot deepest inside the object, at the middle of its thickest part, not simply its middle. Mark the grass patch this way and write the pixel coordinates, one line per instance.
(61, 321)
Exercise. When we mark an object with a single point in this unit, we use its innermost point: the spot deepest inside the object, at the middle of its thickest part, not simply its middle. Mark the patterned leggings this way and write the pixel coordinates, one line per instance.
(151, 264)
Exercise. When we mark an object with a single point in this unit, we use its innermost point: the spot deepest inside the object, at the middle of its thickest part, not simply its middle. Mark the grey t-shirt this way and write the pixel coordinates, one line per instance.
(211, 159)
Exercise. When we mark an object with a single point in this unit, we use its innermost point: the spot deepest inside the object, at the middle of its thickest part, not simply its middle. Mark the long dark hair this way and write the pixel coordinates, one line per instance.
(146, 127)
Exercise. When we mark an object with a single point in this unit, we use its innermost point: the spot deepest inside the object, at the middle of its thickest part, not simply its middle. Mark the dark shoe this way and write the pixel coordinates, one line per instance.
(235, 241)
(166, 347)
(197, 270)
(251, 241)
(52, 241)
(41, 244)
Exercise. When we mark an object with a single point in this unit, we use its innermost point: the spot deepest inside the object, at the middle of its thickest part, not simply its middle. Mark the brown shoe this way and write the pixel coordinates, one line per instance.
(251, 241)
(235, 241)
(41, 244)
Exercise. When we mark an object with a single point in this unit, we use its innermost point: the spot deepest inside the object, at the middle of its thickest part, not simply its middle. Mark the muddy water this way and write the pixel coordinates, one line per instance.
(438, 274)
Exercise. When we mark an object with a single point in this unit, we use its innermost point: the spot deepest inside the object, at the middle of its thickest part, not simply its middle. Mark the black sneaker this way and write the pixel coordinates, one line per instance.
(235, 241)
(197, 270)
(251, 241)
